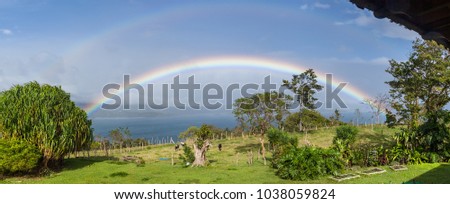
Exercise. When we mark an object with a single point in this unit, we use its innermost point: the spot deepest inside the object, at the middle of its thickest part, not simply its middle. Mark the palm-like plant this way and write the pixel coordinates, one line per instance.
(45, 116)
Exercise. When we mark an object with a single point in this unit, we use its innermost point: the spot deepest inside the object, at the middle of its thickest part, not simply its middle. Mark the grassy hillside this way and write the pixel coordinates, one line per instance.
(226, 166)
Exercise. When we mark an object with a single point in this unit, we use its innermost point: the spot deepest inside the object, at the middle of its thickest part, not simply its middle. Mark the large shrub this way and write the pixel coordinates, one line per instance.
(368, 155)
(309, 118)
(279, 139)
(18, 156)
(343, 141)
(347, 134)
(307, 163)
(44, 116)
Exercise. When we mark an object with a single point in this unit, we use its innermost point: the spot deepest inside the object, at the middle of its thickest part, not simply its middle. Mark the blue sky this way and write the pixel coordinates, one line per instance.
(83, 45)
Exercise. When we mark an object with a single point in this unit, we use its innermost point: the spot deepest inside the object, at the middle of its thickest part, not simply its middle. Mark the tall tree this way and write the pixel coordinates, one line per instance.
(45, 116)
(304, 86)
(260, 111)
(420, 90)
(421, 85)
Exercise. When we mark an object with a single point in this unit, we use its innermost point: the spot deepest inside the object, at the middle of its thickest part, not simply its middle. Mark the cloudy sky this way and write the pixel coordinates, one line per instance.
(83, 45)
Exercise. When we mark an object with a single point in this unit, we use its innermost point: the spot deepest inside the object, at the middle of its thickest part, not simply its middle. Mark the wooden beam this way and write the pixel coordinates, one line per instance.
(442, 6)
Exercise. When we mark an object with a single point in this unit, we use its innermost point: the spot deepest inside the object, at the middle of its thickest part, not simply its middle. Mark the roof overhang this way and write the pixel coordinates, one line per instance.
(429, 18)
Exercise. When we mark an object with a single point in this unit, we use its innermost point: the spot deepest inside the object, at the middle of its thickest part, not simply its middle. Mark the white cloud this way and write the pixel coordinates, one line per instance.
(393, 30)
(382, 27)
(315, 5)
(304, 7)
(322, 6)
(6, 32)
(362, 20)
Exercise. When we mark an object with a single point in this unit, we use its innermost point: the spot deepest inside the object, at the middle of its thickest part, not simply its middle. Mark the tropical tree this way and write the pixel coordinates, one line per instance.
(260, 111)
(419, 91)
(304, 85)
(421, 85)
(44, 116)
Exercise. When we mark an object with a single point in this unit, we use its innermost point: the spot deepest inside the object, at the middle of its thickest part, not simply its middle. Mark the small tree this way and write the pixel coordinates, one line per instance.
(336, 118)
(201, 137)
(279, 140)
(377, 105)
(120, 135)
(201, 144)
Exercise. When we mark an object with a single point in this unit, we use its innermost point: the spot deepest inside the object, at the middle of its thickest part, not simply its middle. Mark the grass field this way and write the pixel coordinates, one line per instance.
(228, 166)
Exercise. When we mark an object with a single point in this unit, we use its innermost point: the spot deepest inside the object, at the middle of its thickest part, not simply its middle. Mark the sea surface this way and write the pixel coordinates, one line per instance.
(164, 127)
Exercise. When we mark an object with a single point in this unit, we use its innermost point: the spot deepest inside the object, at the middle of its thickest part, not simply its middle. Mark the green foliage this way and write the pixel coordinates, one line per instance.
(435, 133)
(307, 163)
(309, 118)
(343, 141)
(18, 156)
(187, 157)
(406, 156)
(202, 135)
(190, 132)
(421, 85)
(280, 139)
(305, 85)
(44, 116)
(346, 135)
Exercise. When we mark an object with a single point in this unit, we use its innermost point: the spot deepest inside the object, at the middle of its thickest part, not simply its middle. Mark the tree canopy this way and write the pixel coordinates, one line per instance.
(257, 113)
(421, 85)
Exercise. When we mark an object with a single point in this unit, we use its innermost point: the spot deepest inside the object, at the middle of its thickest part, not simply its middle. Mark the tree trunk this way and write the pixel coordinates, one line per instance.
(263, 149)
(200, 154)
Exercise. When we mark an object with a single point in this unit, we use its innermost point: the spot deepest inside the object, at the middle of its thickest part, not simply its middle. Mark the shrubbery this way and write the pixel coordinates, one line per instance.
(307, 163)
(279, 139)
(17, 156)
(368, 155)
(187, 157)
(346, 135)
(343, 141)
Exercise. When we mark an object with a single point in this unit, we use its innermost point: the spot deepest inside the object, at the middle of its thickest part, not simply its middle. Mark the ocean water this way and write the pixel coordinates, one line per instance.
(158, 127)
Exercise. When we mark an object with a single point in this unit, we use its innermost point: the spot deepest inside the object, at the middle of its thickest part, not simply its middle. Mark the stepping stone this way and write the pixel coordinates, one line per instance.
(373, 171)
(398, 167)
(343, 177)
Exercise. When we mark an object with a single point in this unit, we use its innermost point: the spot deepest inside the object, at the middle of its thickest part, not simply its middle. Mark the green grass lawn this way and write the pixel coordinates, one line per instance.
(227, 167)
